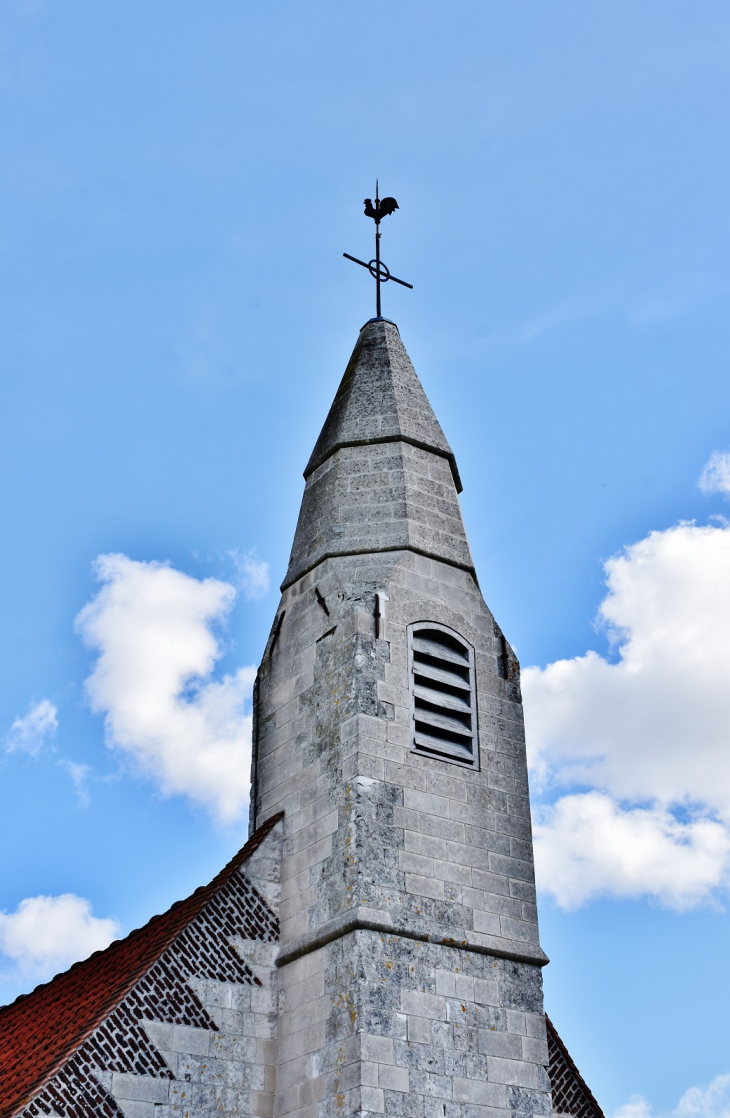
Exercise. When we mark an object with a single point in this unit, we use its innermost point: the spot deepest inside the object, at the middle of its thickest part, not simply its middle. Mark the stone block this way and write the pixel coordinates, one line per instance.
(506, 866)
(139, 1088)
(419, 1029)
(393, 1078)
(534, 1025)
(410, 862)
(486, 991)
(423, 1005)
(487, 922)
(426, 802)
(479, 1092)
(424, 886)
(446, 781)
(372, 1099)
(518, 929)
(464, 987)
(494, 1043)
(452, 871)
(159, 1034)
(376, 1048)
(534, 1049)
(446, 983)
(262, 1104)
(512, 1072)
(427, 845)
(442, 828)
(364, 1074)
(190, 1040)
(132, 1109)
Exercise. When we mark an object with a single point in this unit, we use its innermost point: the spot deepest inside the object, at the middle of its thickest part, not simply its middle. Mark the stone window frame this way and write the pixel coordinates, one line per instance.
(467, 685)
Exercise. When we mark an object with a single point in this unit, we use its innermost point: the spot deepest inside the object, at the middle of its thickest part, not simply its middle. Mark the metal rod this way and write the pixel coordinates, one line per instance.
(363, 264)
(358, 261)
(402, 282)
(377, 250)
(377, 271)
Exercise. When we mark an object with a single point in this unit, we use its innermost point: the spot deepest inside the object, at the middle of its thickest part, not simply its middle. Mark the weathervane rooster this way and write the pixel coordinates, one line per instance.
(381, 274)
(381, 209)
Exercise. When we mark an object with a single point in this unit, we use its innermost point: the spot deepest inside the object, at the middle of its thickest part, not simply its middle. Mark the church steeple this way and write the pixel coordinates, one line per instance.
(388, 731)
(381, 476)
(373, 949)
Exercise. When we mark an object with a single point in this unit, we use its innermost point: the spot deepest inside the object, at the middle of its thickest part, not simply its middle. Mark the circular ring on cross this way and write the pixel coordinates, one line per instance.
(383, 275)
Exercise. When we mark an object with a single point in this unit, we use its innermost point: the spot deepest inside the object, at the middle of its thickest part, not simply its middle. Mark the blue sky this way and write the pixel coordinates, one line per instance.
(178, 185)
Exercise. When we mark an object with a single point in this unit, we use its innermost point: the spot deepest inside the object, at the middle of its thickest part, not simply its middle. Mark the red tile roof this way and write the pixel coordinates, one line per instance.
(40, 1031)
(571, 1093)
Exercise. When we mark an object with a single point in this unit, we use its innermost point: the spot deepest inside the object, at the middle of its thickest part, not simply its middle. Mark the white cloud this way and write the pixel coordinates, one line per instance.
(587, 845)
(252, 573)
(712, 1101)
(715, 478)
(30, 733)
(636, 1107)
(651, 729)
(46, 934)
(79, 775)
(153, 681)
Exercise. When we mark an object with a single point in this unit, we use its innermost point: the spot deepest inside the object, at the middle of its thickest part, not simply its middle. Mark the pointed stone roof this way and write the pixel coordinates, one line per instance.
(382, 476)
(381, 399)
(42, 1030)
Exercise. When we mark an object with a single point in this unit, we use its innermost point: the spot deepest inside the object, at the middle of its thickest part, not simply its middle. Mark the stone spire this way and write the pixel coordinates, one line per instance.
(381, 476)
(381, 400)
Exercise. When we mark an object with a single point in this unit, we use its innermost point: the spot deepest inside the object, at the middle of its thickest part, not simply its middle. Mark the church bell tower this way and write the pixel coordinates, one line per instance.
(373, 948)
(389, 733)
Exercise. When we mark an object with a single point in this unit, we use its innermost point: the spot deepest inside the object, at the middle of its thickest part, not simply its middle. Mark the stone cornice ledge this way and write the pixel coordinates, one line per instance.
(375, 440)
(373, 921)
(337, 553)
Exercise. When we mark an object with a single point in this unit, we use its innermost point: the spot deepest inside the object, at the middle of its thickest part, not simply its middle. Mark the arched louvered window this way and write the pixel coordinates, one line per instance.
(443, 695)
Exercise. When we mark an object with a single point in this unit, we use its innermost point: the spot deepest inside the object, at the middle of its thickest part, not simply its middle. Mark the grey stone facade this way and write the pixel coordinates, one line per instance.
(409, 966)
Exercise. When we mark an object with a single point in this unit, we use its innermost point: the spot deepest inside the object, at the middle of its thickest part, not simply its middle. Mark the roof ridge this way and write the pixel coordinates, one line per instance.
(571, 1064)
(253, 842)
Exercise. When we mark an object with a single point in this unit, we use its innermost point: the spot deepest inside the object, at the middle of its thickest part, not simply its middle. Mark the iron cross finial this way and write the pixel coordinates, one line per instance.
(377, 269)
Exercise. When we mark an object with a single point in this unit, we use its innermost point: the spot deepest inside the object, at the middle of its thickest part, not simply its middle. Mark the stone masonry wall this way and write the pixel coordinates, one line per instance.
(426, 845)
(378, 1024)
(382, 841)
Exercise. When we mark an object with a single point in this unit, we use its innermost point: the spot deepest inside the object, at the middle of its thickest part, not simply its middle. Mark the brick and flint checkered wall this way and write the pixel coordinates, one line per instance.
(194, 1037)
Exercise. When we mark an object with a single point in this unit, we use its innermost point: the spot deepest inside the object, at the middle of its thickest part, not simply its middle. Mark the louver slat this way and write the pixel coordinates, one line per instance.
(440, 698)
(435, 648)
(448, 677)
(442, 694)
(437, 747)
(442, 721)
